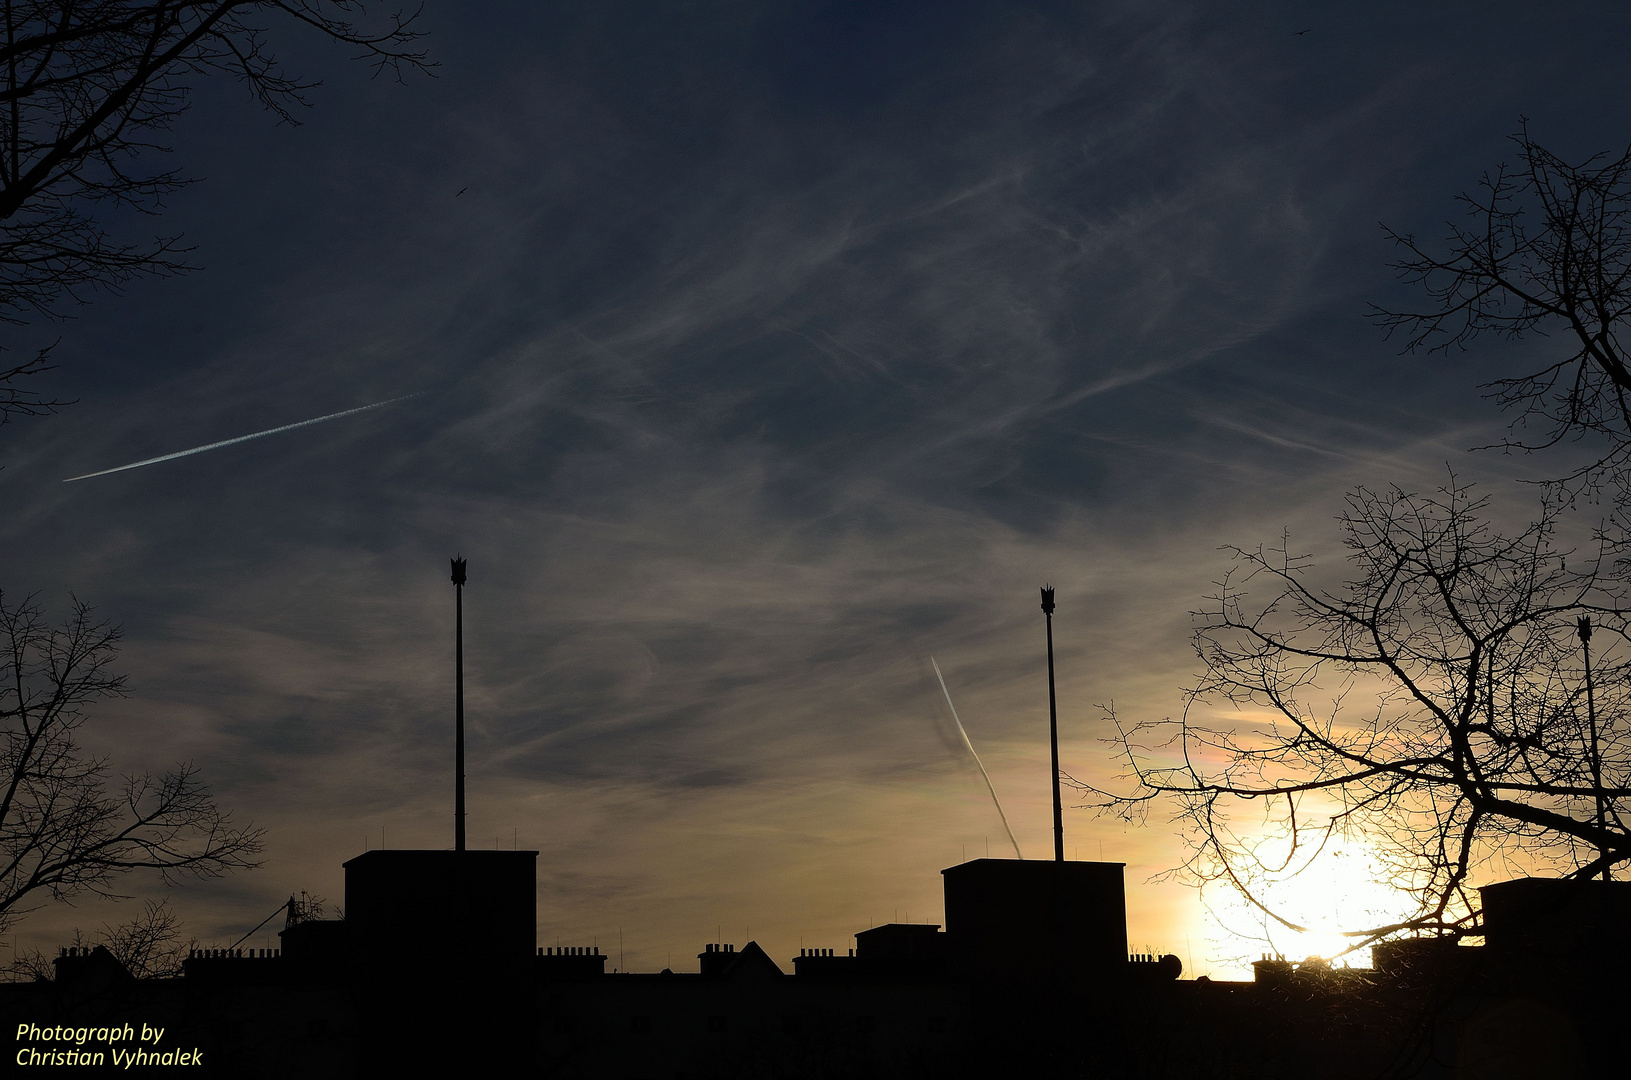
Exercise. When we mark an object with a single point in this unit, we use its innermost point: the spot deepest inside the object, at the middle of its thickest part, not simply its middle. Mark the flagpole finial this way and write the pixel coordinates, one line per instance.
(1047, 599)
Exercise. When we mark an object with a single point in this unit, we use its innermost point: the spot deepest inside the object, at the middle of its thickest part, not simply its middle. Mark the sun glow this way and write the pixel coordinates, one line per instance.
(1344, 888)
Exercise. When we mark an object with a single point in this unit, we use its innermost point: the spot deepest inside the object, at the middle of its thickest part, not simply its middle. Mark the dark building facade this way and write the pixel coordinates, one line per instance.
(435, 968)
(1008, 919)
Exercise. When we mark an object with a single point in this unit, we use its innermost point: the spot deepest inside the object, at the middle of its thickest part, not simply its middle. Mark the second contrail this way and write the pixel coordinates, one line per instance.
(976, 757)
(242, 438)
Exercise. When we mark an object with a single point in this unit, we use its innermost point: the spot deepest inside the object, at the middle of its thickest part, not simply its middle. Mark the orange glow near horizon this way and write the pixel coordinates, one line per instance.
(1341, 890)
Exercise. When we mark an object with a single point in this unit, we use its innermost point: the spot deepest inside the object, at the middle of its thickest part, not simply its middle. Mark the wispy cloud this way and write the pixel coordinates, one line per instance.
(758, 390)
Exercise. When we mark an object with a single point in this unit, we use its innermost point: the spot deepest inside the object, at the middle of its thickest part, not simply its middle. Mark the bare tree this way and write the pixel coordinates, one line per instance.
(89, 88)
(18, 401)
(1437, 708)
(149, 946)
(62, 833)
(1545, 249)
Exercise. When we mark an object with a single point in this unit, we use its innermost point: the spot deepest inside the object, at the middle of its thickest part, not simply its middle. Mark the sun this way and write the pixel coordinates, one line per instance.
(1345, 887)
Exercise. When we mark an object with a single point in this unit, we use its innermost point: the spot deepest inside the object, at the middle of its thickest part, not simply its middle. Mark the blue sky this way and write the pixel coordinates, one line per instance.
(769, 349)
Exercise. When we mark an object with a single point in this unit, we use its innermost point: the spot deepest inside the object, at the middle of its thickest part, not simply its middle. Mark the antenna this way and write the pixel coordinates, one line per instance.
(458, 708)
(1584, 626)
(1053, 734)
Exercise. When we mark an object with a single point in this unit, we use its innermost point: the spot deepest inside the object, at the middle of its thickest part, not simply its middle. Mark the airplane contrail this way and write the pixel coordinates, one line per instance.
(976, 758)
(242, 438)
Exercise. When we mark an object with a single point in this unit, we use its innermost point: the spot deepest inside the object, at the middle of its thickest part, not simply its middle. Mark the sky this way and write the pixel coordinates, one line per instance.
(759, 352)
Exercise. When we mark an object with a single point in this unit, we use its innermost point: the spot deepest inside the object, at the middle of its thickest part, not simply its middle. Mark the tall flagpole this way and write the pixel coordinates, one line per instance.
(1596, 759)
(1053, 734)
(458, 708)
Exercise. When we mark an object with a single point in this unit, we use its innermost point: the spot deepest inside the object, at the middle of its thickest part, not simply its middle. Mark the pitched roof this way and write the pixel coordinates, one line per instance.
(752, 963)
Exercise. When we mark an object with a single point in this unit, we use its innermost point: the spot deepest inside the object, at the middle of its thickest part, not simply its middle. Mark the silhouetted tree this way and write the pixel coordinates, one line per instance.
(15, 400)
(89, 88)
(1545, 249)
(62, 833)
(1437, 707)
(149, 946)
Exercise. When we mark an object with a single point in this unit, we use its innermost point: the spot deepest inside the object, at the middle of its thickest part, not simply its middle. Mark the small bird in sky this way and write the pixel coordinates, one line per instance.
(461, 191)
(1300, 33)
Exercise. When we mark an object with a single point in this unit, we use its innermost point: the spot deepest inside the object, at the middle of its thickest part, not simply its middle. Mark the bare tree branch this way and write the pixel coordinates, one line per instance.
(87, 90)
(1473, 745)
(1545, 247)
(148, 946)
(16, 401)
(61, 832)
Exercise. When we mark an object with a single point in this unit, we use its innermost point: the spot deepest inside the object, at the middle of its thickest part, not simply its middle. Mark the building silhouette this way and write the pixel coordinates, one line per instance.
(435, 966)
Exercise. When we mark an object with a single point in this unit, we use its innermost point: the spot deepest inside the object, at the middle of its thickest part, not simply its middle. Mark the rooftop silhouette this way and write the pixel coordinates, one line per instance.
(437, 944)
